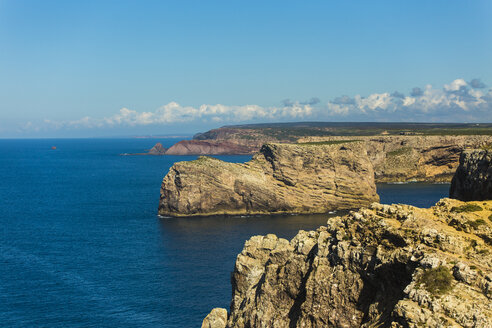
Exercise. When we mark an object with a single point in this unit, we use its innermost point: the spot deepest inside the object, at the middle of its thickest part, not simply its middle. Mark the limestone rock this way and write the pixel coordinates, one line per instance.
(369, 269)
(415, 158)
(394, 157)
(281, 178)
(473, 178)
(208, 147)
(217, 318)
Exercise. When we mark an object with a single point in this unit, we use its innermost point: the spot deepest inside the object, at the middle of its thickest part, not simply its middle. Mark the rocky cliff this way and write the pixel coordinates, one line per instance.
(158, 149)
(383, 266)
(208, 147)
(473, 178)
(281, 178)
(415, 158)
(432, 158)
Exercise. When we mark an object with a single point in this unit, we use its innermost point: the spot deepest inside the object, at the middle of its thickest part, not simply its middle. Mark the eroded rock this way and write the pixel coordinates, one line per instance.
(369, 269)
(281, 178)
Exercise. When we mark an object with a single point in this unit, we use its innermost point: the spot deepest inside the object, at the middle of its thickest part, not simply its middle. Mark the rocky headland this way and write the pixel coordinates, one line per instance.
(157, 150)
(381, 266)
(414, 158)
(399, 152)
(281, 178)
(396, 158)
(473, 178)
(209, 147)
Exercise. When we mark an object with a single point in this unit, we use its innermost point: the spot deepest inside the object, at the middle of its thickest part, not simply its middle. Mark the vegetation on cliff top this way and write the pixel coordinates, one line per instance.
(399, 151)
(437, 281)
(321, 143)
(466, 208)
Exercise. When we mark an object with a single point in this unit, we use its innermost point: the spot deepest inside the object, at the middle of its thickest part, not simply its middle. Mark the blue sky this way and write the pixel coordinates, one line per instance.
(94, 68)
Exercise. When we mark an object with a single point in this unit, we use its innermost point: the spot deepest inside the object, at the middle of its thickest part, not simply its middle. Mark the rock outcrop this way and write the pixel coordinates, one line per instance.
(415, 158)
(208, 147)
(383, 266)
(217, 318)
(404, 156)
(473, 178)
(158, 149)
(281, 178)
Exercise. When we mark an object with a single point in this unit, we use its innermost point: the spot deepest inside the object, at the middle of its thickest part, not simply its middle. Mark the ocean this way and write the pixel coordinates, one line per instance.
(81, 244)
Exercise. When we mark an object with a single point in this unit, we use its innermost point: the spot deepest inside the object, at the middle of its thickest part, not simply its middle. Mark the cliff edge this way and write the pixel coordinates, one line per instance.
(473, 178)
(383, 266)
(281, 178)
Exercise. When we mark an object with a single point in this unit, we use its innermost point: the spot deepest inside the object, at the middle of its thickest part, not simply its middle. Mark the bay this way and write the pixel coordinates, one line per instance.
(81, 244)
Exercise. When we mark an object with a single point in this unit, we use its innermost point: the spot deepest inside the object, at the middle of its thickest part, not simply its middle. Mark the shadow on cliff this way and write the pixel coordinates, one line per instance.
(382, 290)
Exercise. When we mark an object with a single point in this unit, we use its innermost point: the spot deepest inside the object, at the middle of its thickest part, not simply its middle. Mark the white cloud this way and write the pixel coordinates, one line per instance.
(454, 102)
(175, 113)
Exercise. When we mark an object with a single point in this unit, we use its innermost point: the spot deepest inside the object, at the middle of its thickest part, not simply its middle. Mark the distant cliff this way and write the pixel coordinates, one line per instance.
(208, 147)
(399, 151)
(473, 178)
(281, 178)
(383, 266)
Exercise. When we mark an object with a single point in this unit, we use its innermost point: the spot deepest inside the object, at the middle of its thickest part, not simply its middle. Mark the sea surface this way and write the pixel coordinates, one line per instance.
(81, 244)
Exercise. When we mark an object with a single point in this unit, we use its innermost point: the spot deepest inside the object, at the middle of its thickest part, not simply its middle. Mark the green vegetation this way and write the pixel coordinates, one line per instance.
(400, 151)
(490, 217)
(288, 130)
(466, 208)
(332, 142)
(437, 281)
(475, 224)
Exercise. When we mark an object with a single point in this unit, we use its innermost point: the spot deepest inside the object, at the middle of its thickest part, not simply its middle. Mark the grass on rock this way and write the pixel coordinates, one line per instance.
(437, 281)
(466, 208)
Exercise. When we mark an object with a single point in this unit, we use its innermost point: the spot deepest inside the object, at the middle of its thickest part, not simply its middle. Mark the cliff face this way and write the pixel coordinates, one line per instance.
(394, 158)
(473, 178)
(281, 178)
(208, 147)
(390, 266)
(415, 158)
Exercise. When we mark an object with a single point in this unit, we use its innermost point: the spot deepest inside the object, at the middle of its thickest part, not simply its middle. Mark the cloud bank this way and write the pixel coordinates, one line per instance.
(458, 101)
(454, 102)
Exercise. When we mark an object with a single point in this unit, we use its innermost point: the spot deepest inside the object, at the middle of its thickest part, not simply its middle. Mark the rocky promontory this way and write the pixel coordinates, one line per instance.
(473, 178)
(382, 266)
(414, 157)
(281, 178)
(208, 147)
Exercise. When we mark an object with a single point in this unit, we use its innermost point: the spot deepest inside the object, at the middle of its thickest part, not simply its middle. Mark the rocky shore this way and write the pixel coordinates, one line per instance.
(385, 265)
(281, 178)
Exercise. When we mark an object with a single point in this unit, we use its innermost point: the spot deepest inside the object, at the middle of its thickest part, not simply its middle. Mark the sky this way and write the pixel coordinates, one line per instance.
(118, 68)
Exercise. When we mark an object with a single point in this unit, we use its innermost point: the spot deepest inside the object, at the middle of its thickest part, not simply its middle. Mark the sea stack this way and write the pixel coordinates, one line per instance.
(281, 178)
(473, 178)
(158, 149)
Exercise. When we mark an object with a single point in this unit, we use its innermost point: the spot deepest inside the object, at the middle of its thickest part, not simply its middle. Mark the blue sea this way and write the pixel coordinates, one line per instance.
(81, 244)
